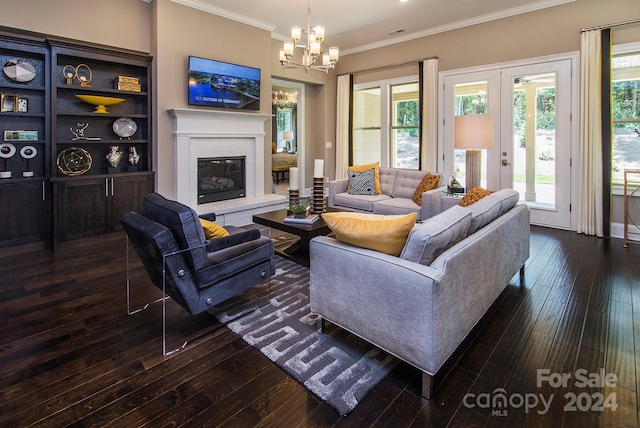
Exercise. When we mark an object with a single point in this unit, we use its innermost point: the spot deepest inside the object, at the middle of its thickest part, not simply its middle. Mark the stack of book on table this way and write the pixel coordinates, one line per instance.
(308, 219)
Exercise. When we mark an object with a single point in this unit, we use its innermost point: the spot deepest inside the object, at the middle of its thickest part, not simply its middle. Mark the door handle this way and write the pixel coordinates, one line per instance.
(505, 163)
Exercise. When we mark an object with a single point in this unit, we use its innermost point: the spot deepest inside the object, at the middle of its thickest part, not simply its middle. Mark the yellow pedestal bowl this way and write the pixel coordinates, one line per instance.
(100, 102)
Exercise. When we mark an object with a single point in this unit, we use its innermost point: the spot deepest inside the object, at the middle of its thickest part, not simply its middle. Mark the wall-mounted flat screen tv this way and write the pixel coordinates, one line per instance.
(221, 84)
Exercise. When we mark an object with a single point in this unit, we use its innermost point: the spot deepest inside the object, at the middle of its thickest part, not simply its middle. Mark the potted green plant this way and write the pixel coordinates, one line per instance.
(299, 211)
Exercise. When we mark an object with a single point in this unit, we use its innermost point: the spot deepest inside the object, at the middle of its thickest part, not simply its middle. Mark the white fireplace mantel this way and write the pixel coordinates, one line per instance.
(200, 133)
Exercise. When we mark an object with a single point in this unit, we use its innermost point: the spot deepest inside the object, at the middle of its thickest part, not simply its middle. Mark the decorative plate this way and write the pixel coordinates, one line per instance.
(7, 150)
(74, 161)
(19, 71)
(124, 127)
(28, 152)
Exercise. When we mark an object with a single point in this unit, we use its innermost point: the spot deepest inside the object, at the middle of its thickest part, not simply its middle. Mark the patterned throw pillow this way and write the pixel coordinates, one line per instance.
(376, 173)
(362, 183)
(429, 182)
(474, 195)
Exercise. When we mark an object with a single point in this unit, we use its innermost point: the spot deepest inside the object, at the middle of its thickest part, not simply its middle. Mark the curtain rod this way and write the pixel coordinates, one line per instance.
(617, 24)
(384, 67)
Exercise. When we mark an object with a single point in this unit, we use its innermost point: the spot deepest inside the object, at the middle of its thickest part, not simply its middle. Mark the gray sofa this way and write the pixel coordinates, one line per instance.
(421, 306)
(398, 186)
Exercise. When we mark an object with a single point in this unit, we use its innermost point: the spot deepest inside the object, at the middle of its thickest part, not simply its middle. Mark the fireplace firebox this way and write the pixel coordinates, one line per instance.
(220, 179)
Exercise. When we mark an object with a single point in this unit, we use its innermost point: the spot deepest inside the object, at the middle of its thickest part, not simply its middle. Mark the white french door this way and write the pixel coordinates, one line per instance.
(531, 109)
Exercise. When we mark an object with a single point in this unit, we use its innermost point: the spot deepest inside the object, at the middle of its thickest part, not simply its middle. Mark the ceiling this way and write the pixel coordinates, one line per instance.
(358, 25)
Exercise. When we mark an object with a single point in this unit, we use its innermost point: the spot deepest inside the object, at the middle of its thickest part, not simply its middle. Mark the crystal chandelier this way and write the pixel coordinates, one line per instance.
(284, 100)
(311, 48)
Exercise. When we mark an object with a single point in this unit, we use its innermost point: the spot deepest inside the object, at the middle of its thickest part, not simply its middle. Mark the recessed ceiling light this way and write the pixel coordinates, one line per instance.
(403, 1)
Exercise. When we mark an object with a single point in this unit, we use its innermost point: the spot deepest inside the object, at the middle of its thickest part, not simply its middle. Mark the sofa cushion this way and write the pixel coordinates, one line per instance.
(358, 202)
(396, 206)
(406, 183)
(429, 182)
(362, 183)
(491, 207)
(212, 230)
(387, 179)
(427, 240)
(384, 233)
(473, 196)
(376, 171)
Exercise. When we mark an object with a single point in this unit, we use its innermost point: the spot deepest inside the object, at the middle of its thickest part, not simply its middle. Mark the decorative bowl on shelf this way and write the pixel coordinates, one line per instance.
(100, 102)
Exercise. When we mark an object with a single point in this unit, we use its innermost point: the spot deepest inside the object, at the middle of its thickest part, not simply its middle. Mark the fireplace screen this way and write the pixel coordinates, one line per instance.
(220, 179)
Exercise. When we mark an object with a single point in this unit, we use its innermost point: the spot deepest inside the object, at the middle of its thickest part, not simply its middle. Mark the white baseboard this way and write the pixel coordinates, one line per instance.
(617, 231)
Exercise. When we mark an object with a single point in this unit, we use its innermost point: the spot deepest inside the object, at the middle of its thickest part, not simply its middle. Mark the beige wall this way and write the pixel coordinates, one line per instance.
(119, 23)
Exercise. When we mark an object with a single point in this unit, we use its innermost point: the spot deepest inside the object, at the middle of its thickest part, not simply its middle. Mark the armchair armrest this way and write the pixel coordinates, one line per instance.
(210, 216)
(236, 237)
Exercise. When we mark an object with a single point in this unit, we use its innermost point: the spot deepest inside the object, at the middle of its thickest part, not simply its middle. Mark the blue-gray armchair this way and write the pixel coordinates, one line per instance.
(196, 273)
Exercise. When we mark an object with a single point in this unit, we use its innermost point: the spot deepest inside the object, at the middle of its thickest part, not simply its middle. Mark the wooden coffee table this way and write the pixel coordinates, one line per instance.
(299, 250)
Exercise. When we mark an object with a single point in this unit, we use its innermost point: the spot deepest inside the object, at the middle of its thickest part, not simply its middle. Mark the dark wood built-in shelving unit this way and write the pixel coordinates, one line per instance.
(51, 206)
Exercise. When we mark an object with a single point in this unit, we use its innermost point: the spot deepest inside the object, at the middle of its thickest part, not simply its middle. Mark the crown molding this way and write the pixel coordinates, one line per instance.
(532, 7)
(225, 14)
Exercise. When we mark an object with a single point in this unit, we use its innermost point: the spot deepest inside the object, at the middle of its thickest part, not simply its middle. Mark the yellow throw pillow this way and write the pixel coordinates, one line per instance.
(384, 233)
(474, 195)
(429, 182)
(376, 173)
(212, 230)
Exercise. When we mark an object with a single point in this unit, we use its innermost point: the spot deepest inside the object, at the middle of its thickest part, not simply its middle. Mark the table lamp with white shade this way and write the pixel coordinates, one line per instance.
(287, 136)
(473, 132)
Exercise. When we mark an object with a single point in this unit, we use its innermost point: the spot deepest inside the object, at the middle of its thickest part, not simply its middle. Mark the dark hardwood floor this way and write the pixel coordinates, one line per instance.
(70, 356)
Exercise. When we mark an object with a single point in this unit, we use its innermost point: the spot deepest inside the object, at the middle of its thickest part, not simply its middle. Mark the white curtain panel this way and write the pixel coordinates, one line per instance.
(342, 126)
(590, 219)
(430, 115)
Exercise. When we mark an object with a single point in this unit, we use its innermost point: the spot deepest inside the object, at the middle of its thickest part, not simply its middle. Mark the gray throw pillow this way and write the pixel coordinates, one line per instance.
(362, 183)
(428, 240)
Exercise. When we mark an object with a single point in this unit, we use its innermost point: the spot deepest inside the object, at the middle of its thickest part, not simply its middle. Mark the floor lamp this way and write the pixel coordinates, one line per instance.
(473, 132)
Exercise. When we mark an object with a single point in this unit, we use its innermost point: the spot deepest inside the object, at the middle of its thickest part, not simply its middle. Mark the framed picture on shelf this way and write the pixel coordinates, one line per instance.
(7, 102)
(20, 135)
(22, 105)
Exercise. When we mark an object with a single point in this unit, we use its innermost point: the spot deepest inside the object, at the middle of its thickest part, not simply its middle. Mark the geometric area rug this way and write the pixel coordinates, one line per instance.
(338, 367)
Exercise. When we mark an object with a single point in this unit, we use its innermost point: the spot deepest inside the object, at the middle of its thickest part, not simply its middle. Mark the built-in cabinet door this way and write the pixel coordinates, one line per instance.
(24, 214)
(82, 208)
(126, 194)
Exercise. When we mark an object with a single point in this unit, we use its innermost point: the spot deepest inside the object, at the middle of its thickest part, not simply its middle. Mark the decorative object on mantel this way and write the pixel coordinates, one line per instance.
(317, 195)
(113, 157)
(7, 150)
(82, 73)
(79, 133)
(19, 70)
(311, 48)
(74, 161)
(134, 158)
(100, 102)
(28, 152)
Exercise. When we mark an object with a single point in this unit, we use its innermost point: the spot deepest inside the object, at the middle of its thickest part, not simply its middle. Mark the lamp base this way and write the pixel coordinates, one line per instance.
(473, 169)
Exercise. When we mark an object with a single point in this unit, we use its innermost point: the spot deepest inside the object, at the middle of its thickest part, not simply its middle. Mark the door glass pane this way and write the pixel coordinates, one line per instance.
(470, 98)
(366, 126)
(405, 144)
(534, 139)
